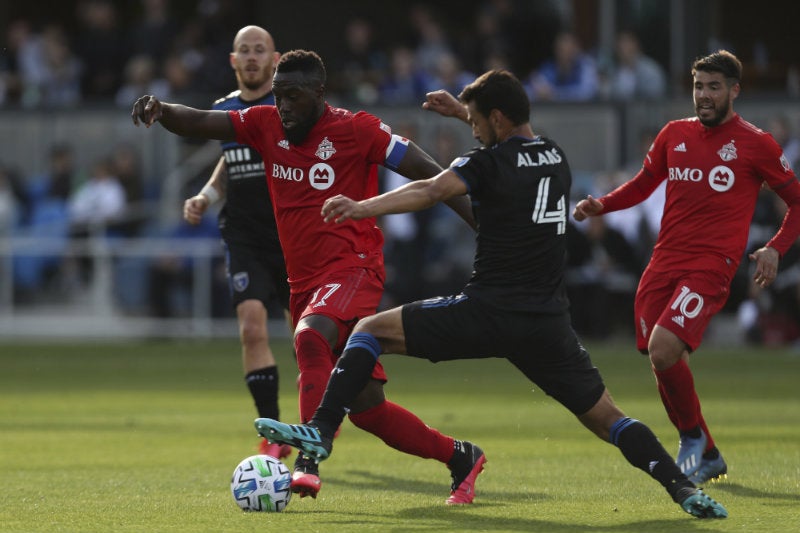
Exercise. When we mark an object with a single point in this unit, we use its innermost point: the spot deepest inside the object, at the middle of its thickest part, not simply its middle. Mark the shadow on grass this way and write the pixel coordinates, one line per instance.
(750, 492)
(469, 519)
(365, 481)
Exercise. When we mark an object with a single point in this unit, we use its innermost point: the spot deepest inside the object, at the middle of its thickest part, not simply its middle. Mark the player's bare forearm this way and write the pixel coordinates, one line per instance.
(183, 120)
(413, 196)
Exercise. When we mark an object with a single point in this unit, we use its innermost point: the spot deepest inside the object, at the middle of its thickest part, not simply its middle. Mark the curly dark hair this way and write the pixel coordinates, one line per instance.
(720, 61)
(305, 61)
(501, 90)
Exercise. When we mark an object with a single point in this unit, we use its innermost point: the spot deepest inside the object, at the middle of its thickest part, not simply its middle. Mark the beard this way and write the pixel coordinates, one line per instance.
(717, 116)
(298, 133)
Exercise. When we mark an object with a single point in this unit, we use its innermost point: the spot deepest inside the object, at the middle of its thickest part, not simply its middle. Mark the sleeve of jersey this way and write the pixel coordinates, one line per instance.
(631, 192)
(790, 227)
(469, 168)
(246, 124)
(377, 137)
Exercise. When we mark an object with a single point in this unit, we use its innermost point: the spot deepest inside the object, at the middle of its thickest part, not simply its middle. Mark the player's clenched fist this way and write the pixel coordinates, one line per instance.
(146, 110)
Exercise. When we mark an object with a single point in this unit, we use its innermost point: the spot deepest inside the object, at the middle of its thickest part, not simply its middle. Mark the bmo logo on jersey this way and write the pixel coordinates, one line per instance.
(720, 178)
(321, 176)
(287, 173)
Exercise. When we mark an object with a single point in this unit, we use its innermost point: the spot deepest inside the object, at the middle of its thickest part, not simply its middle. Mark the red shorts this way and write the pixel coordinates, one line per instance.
(681, 301)
(345, 297)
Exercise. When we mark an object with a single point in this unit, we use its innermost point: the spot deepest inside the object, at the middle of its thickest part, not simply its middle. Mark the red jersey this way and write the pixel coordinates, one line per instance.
(713, 178)
(338, 156)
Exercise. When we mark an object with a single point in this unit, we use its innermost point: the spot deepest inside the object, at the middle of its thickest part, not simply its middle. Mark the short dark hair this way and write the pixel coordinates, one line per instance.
(305, 61)
(501, 90)
(720, 61)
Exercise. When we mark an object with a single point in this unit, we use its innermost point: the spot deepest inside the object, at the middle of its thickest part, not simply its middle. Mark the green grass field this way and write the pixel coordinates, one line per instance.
(143, 437)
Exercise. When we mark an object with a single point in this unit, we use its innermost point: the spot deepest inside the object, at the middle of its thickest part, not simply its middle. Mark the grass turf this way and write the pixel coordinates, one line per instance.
(143, 437)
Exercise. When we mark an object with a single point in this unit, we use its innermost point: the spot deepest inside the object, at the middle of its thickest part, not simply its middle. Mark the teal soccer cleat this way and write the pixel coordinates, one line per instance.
(303, 437)
(700, 505)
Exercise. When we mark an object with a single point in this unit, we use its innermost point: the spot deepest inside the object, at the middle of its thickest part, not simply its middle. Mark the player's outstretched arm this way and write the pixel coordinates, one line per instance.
(588, 207)
(418, 164)
(445, 104)
(182, 120)
(413, 196)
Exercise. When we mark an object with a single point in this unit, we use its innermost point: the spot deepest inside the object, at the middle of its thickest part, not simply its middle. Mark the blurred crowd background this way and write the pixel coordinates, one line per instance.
(90, 208)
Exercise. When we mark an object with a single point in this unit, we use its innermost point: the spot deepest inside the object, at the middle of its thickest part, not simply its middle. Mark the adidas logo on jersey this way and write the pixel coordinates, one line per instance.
(284, 144)
(678, 319)
(680, 148)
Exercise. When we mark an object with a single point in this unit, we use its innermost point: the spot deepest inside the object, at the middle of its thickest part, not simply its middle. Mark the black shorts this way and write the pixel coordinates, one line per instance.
(256, 274)
(543, 347)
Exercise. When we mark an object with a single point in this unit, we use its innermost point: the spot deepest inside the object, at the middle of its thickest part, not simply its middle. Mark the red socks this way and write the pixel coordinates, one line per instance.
(676, 386)
(404, 431)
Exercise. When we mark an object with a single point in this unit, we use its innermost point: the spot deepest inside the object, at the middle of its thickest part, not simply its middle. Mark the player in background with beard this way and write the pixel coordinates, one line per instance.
(715, 164)
(336, 273)
(255, 265)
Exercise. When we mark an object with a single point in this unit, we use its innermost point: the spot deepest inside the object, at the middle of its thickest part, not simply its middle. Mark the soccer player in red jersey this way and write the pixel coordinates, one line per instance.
(312, 151)
(715, 164)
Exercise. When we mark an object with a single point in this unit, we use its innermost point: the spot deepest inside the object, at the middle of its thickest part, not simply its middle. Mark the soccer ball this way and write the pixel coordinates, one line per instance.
(261, 483)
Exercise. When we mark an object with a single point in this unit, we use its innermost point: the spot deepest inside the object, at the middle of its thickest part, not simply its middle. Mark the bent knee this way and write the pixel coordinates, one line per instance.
(369, 397)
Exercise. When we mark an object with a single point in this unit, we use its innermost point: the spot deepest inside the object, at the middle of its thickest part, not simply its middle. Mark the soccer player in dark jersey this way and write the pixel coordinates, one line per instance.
(336, 273)
(714, 165)
(255, 265)
(515, 304)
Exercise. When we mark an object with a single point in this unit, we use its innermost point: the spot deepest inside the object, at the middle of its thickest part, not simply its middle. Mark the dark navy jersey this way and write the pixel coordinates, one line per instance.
(520, 195)
(247, 216)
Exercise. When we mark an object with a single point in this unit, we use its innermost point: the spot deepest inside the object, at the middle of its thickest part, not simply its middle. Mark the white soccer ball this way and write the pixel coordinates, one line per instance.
(261, 483)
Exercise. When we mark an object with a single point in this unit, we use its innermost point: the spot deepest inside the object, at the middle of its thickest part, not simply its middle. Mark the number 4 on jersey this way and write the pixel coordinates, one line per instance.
(540, 213)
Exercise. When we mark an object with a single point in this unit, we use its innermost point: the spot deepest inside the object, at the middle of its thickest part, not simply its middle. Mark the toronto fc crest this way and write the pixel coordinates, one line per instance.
(728, 151)
(325, 149)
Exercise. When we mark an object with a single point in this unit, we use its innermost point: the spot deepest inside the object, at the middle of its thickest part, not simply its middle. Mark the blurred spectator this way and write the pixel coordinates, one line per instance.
(172, 276)
(99, 200)
(21, 61)
(42, 68)
(571, 74)
(355, 75)
(15, 205)
(140, 77)
(770, 316)
(101, 45)
(95, 205)
(449, 75)
(179, 76)
(486, 43)
(405, 83)
(603, 272)
(59, 180)
(430, 38)
(48, 225)
(152, 35)
(781, 129)
(127, 169)
(633, 75)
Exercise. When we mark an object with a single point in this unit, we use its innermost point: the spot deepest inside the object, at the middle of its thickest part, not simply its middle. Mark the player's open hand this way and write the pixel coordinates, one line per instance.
(340, 208)
(588, 207)
(766, 259)
(146, 110)
(194, 208)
